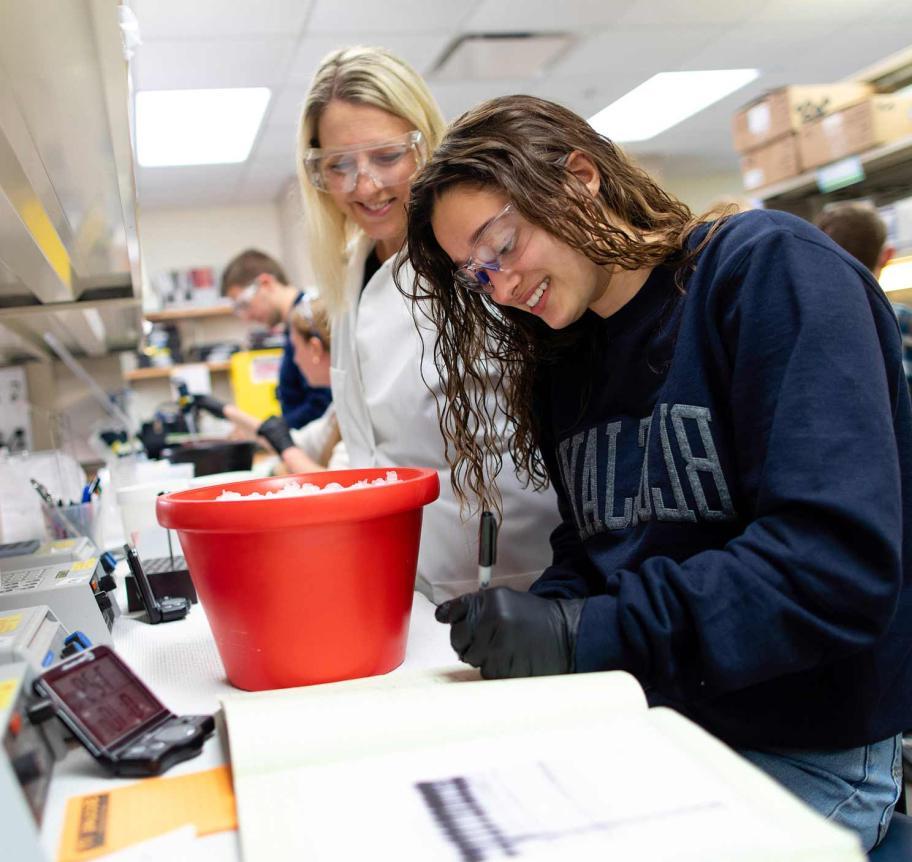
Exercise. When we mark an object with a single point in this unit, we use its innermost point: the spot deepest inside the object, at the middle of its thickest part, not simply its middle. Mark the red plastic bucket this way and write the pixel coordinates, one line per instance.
(305, 590)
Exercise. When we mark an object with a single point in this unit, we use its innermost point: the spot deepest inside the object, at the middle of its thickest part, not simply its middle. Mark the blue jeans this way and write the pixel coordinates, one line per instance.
(855, 787)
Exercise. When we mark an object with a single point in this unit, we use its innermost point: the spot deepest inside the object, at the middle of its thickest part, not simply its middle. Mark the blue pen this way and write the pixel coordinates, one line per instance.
(487, 548)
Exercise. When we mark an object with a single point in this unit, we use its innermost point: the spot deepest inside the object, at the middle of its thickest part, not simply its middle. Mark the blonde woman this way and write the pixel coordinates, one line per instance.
(367, 126)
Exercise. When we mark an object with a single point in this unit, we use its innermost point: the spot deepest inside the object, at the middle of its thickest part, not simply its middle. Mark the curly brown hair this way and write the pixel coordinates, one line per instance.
(488, 355)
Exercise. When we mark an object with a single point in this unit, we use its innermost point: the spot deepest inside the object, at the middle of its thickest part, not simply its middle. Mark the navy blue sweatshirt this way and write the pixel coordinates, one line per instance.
(734, 472)
(301, 403)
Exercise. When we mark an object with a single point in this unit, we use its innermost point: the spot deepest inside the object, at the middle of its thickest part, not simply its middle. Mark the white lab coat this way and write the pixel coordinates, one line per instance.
(388, 417)
(314, 438)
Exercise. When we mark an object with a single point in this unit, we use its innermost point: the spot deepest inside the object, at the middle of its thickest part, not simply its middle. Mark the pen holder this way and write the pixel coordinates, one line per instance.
(68, 522)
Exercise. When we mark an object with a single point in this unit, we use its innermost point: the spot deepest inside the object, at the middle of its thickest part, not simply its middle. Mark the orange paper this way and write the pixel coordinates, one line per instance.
(100, 823)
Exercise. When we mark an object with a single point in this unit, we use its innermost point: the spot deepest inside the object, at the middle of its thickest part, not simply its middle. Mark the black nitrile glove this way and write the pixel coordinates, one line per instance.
(276, 432)
(209, 404)
(506, 633)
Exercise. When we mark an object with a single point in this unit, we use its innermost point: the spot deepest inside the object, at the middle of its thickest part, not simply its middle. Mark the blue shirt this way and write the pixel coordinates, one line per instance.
(734, 471)
(301, 402)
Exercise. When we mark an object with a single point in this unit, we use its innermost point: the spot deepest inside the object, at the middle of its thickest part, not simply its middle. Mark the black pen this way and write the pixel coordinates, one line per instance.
(487, 548)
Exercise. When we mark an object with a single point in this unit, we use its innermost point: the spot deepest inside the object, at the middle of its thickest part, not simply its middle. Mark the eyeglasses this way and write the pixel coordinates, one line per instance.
(386, 164)
(243, 300)
(497, 249)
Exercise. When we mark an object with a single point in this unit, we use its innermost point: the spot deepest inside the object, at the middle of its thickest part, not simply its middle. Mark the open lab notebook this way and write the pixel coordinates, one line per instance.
(440, 765)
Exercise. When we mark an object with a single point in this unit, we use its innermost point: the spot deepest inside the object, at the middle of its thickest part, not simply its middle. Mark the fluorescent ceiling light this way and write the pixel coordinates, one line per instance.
(664, 100)
(197, 127)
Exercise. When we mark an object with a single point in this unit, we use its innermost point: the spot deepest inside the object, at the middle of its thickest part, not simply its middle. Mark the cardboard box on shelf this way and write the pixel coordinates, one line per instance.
(872, 123)
(788, 108)
(771, 163)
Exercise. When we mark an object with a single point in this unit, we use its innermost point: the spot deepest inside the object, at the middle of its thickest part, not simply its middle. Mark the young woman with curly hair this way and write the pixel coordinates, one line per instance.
(720, 405)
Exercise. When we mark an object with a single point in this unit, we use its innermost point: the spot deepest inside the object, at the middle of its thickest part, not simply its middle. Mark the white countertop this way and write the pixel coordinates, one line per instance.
(180, 663)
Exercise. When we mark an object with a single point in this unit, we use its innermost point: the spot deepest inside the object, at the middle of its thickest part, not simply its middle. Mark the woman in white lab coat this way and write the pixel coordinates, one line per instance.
(368, 124)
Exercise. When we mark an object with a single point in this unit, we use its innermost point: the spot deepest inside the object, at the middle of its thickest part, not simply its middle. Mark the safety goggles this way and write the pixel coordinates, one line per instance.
(386, 164)
(243, 300)
(497, 249)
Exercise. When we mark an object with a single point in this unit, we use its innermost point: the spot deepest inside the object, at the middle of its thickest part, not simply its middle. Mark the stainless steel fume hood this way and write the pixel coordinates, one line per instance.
(69, 252)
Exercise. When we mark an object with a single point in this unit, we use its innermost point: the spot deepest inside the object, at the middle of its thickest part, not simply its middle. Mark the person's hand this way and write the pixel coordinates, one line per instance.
(276, 432)
(208, 404)
(506, 633)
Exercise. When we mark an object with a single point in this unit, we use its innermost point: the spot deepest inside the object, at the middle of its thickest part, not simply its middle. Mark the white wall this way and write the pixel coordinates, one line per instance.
(294, 240)
(705, 190)
(207, 236)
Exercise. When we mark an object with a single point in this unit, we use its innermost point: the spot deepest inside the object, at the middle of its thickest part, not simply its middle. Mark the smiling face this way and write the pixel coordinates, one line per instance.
(546, 278)
(379, 212)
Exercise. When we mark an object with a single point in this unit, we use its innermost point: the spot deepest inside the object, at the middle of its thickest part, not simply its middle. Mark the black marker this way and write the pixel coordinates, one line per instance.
(487, 548)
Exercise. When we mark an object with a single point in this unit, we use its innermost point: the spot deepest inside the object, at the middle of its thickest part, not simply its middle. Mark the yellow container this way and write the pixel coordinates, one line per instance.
(254, 377)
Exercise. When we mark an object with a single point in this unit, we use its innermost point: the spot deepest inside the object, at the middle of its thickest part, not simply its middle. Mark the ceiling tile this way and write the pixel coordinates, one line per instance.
(672, 13)
(184, 65)
(286, 108)
(457, 98)
(586, 94)
(210, 19)
(275, 142)
(769, 47)
(420, 53)
(824, 12)
(263, 182)
(389, 16)
(534, 16)
(634, 54)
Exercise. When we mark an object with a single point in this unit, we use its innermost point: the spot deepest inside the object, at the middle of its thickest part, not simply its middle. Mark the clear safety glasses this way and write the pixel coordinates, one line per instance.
(242, 301)
(497, 249)
(386, 164)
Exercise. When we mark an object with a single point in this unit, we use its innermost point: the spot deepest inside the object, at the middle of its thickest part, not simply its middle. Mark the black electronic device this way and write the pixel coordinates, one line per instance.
(116, 717)
(167, 576)
(167, 610)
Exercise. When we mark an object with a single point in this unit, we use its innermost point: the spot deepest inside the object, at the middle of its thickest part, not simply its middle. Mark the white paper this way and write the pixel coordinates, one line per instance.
(566, 767)
(617, 789)
(175, 846)
(758, 119)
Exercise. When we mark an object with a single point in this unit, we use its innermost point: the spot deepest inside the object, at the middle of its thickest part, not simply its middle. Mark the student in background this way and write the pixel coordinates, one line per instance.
(318, 445)
(860, 231)
(367, 125)
(720, 405)
(259, 288)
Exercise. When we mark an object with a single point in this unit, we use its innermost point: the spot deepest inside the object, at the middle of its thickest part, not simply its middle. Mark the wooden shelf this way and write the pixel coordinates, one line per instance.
(167, 370)
(189, 313)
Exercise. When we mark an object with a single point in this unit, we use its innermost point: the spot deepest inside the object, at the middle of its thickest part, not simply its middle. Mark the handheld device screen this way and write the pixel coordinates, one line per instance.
(103, 695)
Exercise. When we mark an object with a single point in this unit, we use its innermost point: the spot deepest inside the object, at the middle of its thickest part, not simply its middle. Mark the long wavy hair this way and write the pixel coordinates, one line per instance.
(367, 76)
(488, 355)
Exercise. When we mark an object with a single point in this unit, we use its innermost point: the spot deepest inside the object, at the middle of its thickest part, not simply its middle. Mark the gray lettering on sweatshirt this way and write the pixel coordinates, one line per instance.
(682, 512)
(612, 521)
(708, 464)
(595, 503)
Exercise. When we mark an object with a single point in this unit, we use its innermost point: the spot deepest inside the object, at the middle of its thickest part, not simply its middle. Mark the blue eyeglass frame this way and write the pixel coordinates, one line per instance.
(473, 275)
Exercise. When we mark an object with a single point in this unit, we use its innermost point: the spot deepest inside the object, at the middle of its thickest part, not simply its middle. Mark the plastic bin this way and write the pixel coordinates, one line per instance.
(137, 503)
(305, 590)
